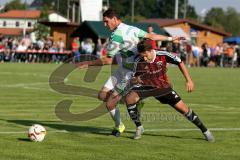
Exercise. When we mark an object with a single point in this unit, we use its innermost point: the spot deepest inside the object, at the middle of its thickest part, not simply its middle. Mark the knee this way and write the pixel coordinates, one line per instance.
(102, 96)
(131, 98)
(110, 106)
(112, 102)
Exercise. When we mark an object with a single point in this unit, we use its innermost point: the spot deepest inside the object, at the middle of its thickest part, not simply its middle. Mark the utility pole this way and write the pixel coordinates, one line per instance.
(185, 9)
(176, 9)
(68, 6)
(73, 12)
(79, 12)
(58, 6)
(25, 22)
(133, 3)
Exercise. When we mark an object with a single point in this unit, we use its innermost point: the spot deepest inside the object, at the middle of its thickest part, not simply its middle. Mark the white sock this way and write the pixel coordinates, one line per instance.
(115, 114)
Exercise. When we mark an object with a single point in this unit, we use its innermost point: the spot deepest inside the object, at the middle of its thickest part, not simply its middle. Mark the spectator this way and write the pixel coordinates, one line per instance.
(21, 49)
(2, 50)
(217, 54)
(99, 48)
(196, 52)
(235, 55)
(40, 44)
(75, 49)
(238, 56)
(55, 57)
(87, 46)
(60, 49)
(60, 45)
(150, 30)
(27, 41)
(105, 45)
(205, 55)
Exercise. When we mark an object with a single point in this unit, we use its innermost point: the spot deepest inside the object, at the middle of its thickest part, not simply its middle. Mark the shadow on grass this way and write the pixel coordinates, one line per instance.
(87, 129)
(24, 139)
(145, 134)
(64, 127)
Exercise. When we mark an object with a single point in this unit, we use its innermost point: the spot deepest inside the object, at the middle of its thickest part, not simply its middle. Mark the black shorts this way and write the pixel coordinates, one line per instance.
(164, 95)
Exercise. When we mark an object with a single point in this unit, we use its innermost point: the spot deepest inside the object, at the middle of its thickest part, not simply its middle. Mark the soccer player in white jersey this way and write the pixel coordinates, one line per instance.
(123, 45)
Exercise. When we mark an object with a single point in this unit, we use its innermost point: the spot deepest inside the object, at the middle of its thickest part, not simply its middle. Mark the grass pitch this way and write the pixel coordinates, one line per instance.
(26, 99)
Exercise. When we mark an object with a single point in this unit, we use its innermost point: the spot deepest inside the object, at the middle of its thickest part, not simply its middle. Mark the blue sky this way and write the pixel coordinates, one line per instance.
(201, 6)
(5, 1)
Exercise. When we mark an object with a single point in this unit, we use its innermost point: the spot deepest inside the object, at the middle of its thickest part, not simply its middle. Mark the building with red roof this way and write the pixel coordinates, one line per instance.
(18, 22)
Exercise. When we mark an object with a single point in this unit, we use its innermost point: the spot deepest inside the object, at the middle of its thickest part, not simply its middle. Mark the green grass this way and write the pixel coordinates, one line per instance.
(26, 98)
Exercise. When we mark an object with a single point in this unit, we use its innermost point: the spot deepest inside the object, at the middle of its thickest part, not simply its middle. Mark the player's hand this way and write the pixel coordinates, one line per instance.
(189, 86)
(177, 39)
(136, 80)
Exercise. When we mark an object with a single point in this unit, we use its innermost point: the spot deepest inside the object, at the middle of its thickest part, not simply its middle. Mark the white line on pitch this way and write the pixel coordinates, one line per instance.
(20, 132)
(189, 129)
(147, 130)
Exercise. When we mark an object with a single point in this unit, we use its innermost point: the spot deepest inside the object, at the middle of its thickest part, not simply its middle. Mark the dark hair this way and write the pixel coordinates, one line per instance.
(110, 13)
(149, 26)
(144, 45)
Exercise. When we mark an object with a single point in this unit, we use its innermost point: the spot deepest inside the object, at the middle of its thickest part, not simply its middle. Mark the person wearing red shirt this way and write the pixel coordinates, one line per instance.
(150, 80)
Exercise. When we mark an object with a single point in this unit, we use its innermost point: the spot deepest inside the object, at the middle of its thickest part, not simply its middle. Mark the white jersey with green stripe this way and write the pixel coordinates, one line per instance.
(123, 41)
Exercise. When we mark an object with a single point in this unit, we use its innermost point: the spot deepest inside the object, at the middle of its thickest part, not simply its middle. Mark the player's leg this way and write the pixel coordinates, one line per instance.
(174, 100)
(132, 99)
(103, 95)
(111, 105)
(194, 118)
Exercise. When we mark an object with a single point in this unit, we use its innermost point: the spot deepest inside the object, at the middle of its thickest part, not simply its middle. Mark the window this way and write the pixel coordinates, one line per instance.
(29, 24)
(4, 23)
(17, 24)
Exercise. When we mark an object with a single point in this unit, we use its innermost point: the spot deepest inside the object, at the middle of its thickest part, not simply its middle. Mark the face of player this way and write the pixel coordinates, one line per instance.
(111, 23)
(148, 56)
(150, 29)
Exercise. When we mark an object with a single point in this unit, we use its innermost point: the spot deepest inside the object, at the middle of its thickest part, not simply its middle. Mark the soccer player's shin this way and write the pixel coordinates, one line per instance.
(193, 117)
(134, 114)
(115, 114)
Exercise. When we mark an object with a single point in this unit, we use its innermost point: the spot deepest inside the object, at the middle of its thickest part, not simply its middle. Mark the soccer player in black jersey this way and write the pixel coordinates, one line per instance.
(150, 80)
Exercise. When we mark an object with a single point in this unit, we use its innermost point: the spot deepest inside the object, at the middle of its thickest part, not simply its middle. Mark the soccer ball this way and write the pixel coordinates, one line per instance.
(37, 133)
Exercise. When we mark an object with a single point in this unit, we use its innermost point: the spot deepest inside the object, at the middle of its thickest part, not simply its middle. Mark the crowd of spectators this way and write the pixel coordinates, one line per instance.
(221, 55)
(25, 50)
(48, 51)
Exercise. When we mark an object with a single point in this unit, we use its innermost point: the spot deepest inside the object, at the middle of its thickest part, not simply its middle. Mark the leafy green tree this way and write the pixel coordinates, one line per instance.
(166, 9)
(228, 20)
(53, 5)
(15, 4)
(232, 21)
(152, 9)
(41, 30)
(191, 13)
(215, 17)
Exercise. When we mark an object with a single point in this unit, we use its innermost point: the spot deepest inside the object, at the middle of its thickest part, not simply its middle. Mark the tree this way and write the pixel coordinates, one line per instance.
(232, 21)
(53, 5)
(41, 30)
(166, 9)
(228, 20)
(15, 4)
(152, 9)
(191, 13)
(215, 17)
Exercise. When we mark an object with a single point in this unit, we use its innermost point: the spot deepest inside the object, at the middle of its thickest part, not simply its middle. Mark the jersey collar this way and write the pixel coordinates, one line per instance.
(118, 26)
(154, 54)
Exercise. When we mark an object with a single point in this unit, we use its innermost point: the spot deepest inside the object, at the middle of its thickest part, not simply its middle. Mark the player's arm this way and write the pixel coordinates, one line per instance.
(97, 62)
(112, 49)
(189, 82)
(170, 58)
(157, 37)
